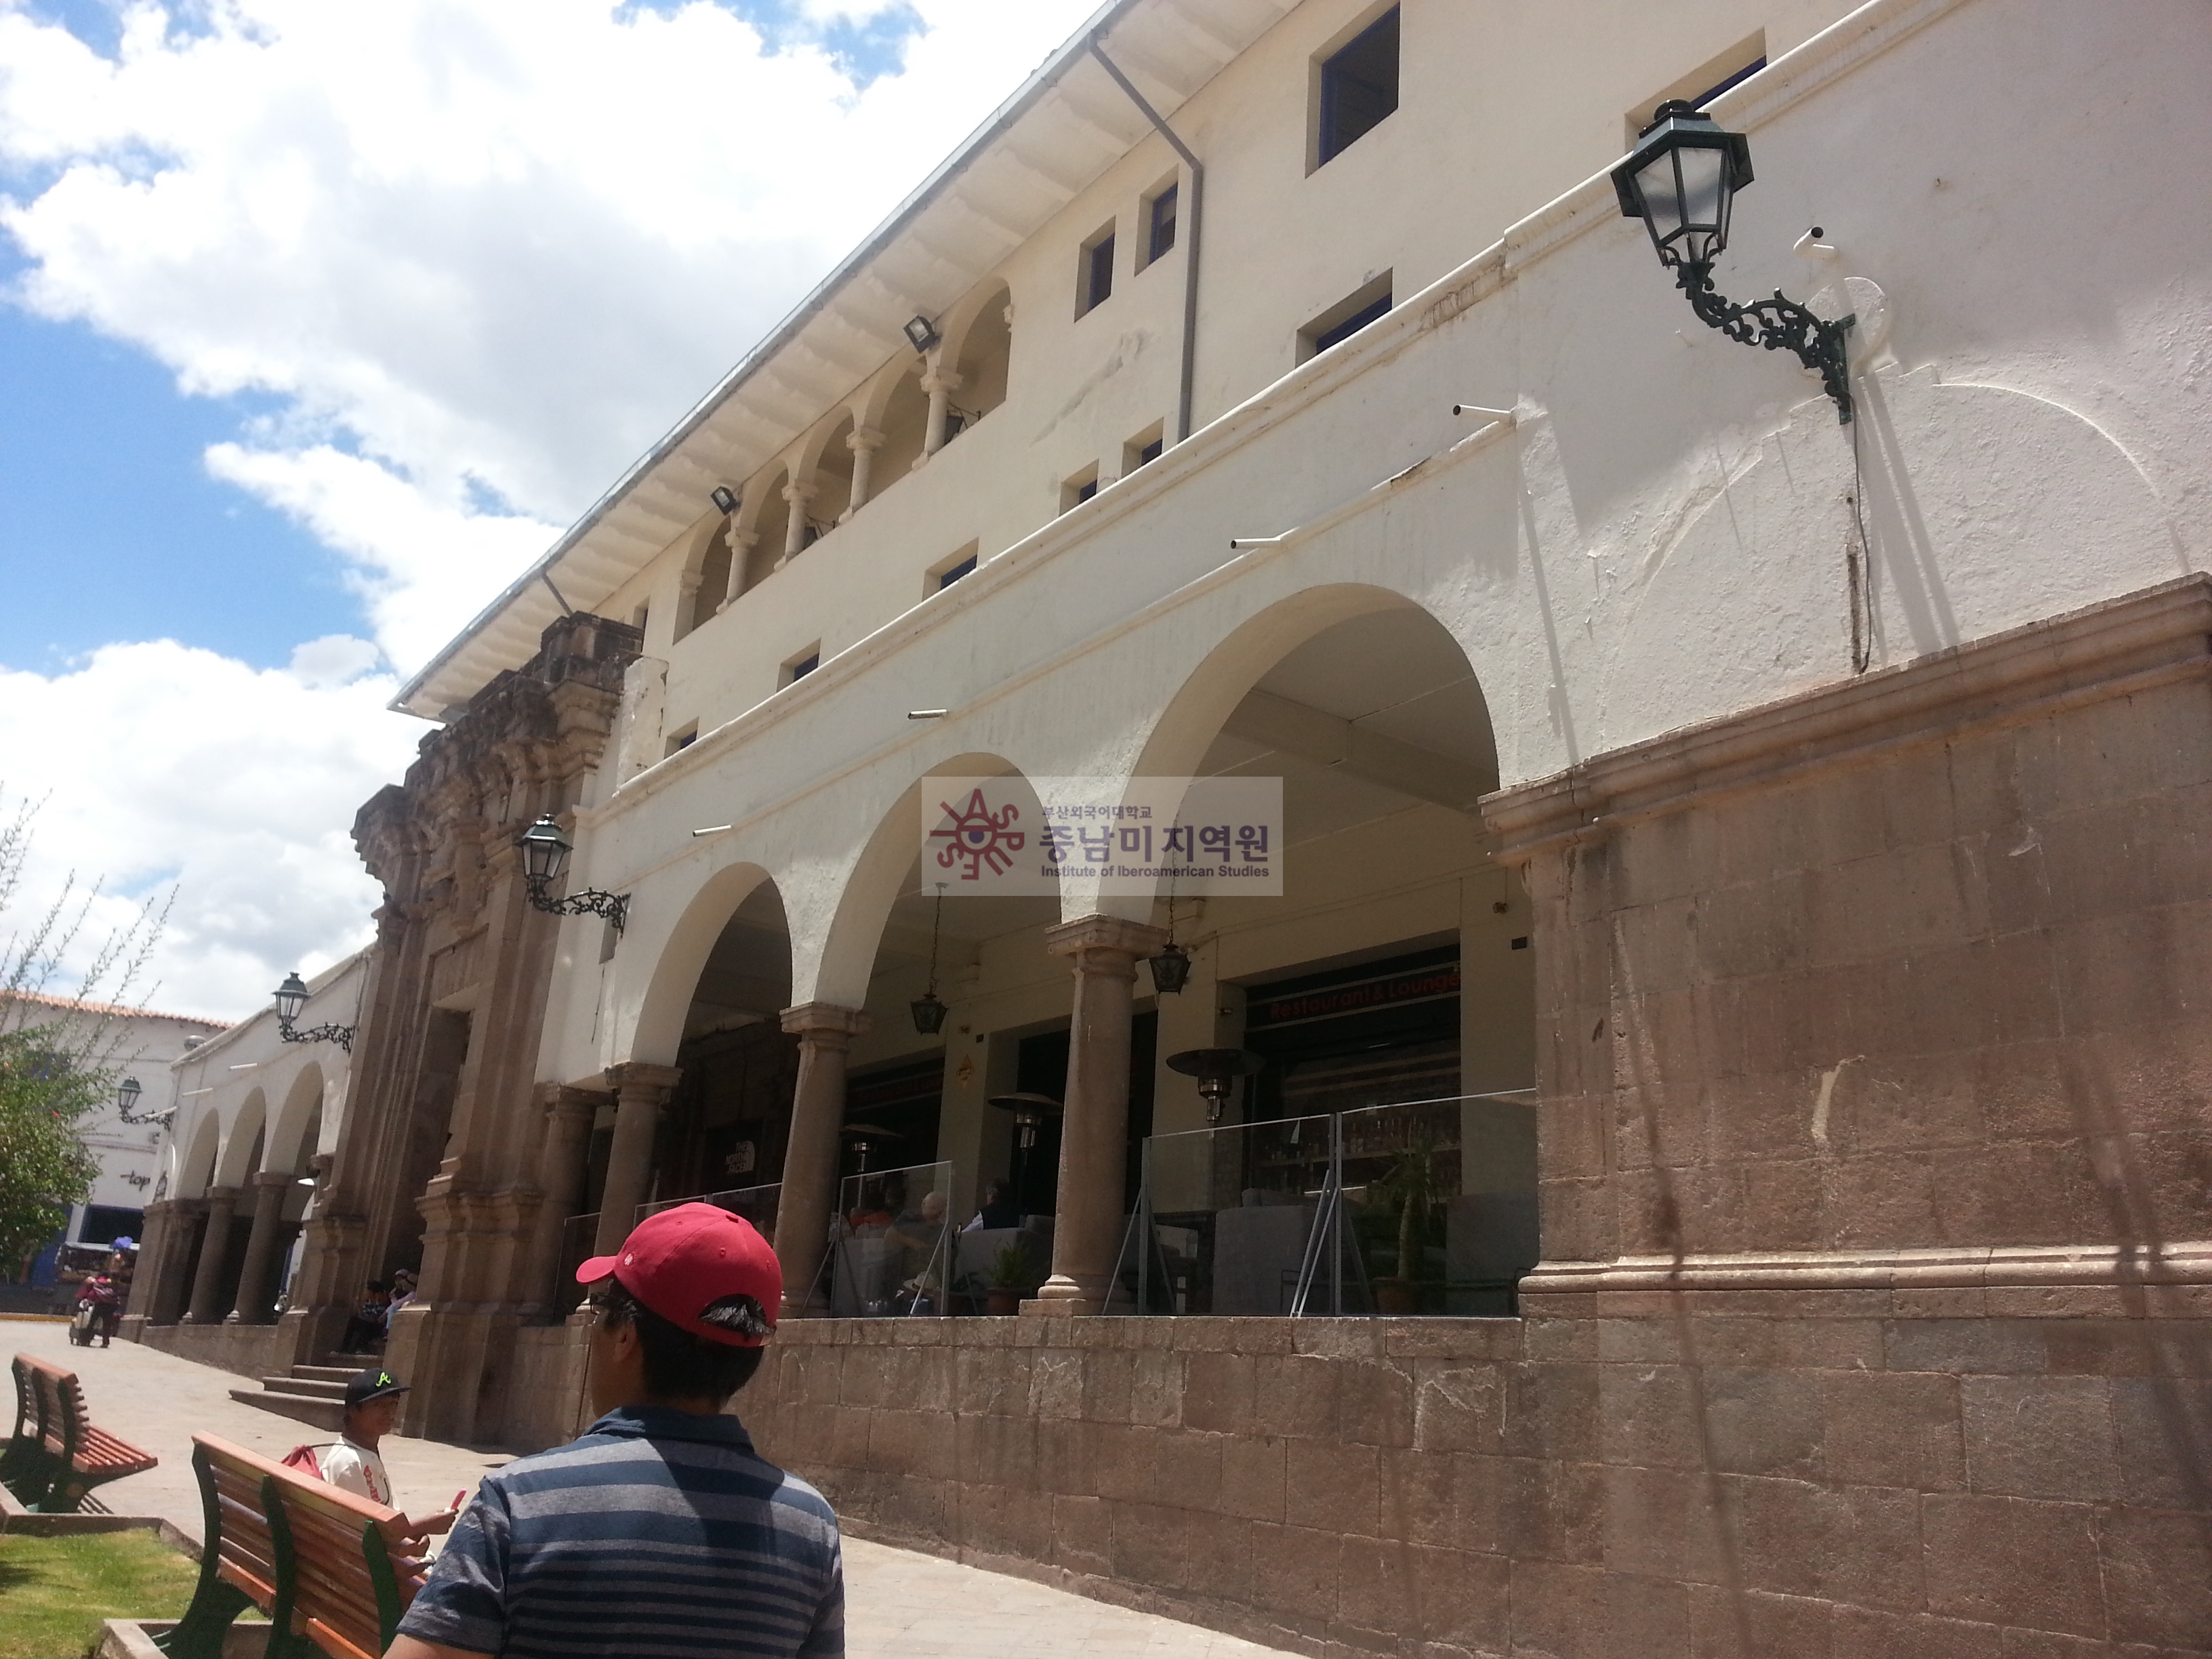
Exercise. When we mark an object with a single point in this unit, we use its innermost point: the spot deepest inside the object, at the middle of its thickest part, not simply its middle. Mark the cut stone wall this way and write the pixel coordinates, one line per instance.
(255, 1351)
(1845, 1475)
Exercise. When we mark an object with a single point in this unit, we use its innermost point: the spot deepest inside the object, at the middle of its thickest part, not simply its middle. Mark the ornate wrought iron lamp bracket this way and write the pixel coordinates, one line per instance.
(592, 901)
(1779, 324)
(341, 1034)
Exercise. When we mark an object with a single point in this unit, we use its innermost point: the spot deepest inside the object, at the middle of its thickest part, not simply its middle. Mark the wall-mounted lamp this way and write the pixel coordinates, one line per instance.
(126, 1105)
(726, 500)
(921, 333)
(290, 998)
(1681, 180)
(545, 856)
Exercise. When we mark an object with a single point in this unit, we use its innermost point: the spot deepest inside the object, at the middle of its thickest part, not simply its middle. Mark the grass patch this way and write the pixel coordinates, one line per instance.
(55, 1591)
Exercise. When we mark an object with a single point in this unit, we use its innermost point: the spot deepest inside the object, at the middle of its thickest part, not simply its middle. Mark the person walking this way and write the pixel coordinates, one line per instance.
(659, 1530)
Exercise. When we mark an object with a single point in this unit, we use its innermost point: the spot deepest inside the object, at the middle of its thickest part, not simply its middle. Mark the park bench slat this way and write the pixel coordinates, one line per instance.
(325, 1565)
(56, 1457)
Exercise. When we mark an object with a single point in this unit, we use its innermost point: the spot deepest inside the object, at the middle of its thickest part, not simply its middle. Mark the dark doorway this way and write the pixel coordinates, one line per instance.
(1041, 1067)
(1365, 1036)
(902, 1098)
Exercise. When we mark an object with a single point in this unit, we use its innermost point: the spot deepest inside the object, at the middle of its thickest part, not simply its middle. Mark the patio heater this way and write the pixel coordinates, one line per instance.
(1217, 1071)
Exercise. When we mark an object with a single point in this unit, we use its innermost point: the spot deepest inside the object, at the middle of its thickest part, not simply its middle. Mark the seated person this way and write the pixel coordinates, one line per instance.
(1000, 1209)
(364, 1331)
(372, 1411)
(871, 1210)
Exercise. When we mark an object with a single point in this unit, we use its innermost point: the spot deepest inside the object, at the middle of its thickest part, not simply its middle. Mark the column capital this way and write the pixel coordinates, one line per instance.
(825, 1018)
(864, 437)
(942, 379)
(560, 1098)
(218, 1195)
(799, 490)
(1110, 933)
(637, 1076)
(745, 540)
(273, 1178)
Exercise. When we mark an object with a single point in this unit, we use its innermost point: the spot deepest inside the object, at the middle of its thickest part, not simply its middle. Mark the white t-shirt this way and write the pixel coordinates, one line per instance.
(358, 1470)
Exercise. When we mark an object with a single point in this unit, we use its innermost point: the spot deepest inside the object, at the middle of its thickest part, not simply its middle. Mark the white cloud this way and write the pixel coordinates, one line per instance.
(159, 763)
(483, 252)
(487, 246)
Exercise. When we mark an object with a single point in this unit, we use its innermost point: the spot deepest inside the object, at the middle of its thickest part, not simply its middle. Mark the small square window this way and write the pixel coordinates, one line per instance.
(1143, 449)
(797, 668)
(1095, 280)
(682, 741)
(1079, 489)
(944, 573)
(1358, 87)
(1160, 223)
(1346, 319)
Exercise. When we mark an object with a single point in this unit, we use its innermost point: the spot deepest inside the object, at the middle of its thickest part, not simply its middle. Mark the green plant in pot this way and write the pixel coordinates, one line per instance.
(1009, 1280)
(1406, 1191)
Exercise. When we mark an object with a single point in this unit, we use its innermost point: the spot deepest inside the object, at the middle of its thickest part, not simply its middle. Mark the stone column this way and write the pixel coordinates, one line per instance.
(255, 1291)
(825, 1031)
(156, 1241)
(864, 441)
(568, 1115)
(1094, 1132)
(640, 1090)
(742, 543)
(215, 1248)
(794, 530)
(940, 384)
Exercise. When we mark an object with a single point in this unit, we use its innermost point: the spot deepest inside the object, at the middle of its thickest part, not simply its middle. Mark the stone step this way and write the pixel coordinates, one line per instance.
(348, 1363)
(304, 1407)
(314, 1387)
(338, 1374)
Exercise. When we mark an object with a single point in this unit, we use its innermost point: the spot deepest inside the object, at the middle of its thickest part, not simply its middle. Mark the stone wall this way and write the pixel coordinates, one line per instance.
(251, 1351)
(1847, 1475)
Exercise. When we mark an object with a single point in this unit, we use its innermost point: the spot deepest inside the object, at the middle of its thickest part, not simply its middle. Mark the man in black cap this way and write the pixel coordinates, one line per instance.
(372, 1411)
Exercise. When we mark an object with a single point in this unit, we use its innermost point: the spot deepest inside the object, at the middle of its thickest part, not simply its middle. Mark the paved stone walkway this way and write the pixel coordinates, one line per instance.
(900, 1604)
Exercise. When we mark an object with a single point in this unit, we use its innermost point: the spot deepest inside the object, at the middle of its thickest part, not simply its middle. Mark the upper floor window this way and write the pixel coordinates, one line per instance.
(1160, 226)
(1346, 318)
(797, 668)
(1358, 87)
(1095, 277)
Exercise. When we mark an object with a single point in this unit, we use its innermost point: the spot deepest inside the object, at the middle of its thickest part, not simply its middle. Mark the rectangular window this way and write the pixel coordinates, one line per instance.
(943, 574)
(1346, 318)
(797, 668)
(1095, 281)
(682, 740)
(1702, 84)
(1079, 489)
(1358, 87)
(1160, 230)
(1143, 449)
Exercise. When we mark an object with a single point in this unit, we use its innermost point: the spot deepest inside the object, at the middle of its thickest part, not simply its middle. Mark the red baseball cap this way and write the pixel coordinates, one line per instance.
(680, 1261)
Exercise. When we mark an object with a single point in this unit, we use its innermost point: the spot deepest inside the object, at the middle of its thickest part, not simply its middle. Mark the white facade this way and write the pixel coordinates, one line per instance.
(249, 1101)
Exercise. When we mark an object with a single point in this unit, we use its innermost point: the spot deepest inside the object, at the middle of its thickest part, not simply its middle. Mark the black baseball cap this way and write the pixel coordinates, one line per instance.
(374, 1383)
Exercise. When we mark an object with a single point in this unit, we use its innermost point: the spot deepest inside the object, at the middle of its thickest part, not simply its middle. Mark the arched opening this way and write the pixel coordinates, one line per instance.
(985, 354)
(713, 581)
(904, 423)
(766, 516)
(1387, 996)
(291, 1152)
(832, 476)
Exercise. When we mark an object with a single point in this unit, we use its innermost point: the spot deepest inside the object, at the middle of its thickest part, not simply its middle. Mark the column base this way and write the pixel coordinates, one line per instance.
(1062, 1298)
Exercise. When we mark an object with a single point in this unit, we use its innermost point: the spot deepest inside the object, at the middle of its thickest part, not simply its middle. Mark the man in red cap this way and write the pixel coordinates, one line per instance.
(661, 1530)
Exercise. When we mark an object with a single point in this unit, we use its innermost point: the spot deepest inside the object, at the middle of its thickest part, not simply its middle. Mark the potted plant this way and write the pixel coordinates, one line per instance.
(1407, 1189)
(1009, 1280)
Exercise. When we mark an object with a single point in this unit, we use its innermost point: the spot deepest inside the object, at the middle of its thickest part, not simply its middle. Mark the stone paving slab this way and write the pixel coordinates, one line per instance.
(900, 1604)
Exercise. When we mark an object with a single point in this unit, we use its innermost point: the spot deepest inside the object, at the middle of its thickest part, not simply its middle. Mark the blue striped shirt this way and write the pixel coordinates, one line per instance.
(656, 1532)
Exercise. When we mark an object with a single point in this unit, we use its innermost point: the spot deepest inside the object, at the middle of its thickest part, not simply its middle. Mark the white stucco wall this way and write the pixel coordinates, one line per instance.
(1660, 538)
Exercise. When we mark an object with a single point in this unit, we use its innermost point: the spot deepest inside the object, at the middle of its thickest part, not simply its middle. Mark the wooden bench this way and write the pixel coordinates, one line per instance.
(328, 1568)
(56, 1456)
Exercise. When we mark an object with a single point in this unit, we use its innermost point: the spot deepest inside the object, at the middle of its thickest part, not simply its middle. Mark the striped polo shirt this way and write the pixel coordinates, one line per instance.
(657, 1531)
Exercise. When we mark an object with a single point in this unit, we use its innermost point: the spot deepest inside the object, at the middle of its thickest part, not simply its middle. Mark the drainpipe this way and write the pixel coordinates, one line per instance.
(1190, 252)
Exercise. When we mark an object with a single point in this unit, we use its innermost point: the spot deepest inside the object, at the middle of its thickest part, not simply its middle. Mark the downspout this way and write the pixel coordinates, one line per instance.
(1190, 252)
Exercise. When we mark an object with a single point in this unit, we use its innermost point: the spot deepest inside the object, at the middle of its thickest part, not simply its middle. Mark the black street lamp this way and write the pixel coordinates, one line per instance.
(545, 856)
(291, 997)
(126, 1105)
(1217, 1071)
(1681, 180)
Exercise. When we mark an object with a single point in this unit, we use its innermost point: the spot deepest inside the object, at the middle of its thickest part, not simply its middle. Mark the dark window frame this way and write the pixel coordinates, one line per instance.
(1360, 84)
(1094, 274)
(1160, 237)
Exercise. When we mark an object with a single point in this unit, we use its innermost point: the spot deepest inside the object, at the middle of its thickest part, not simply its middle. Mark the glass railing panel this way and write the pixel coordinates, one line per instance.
(1228, 1216)
(756, 1204)
(892, 1248)
(1439, 1205)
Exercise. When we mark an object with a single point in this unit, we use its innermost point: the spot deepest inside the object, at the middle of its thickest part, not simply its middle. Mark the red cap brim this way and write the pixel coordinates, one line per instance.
(596, 1268)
